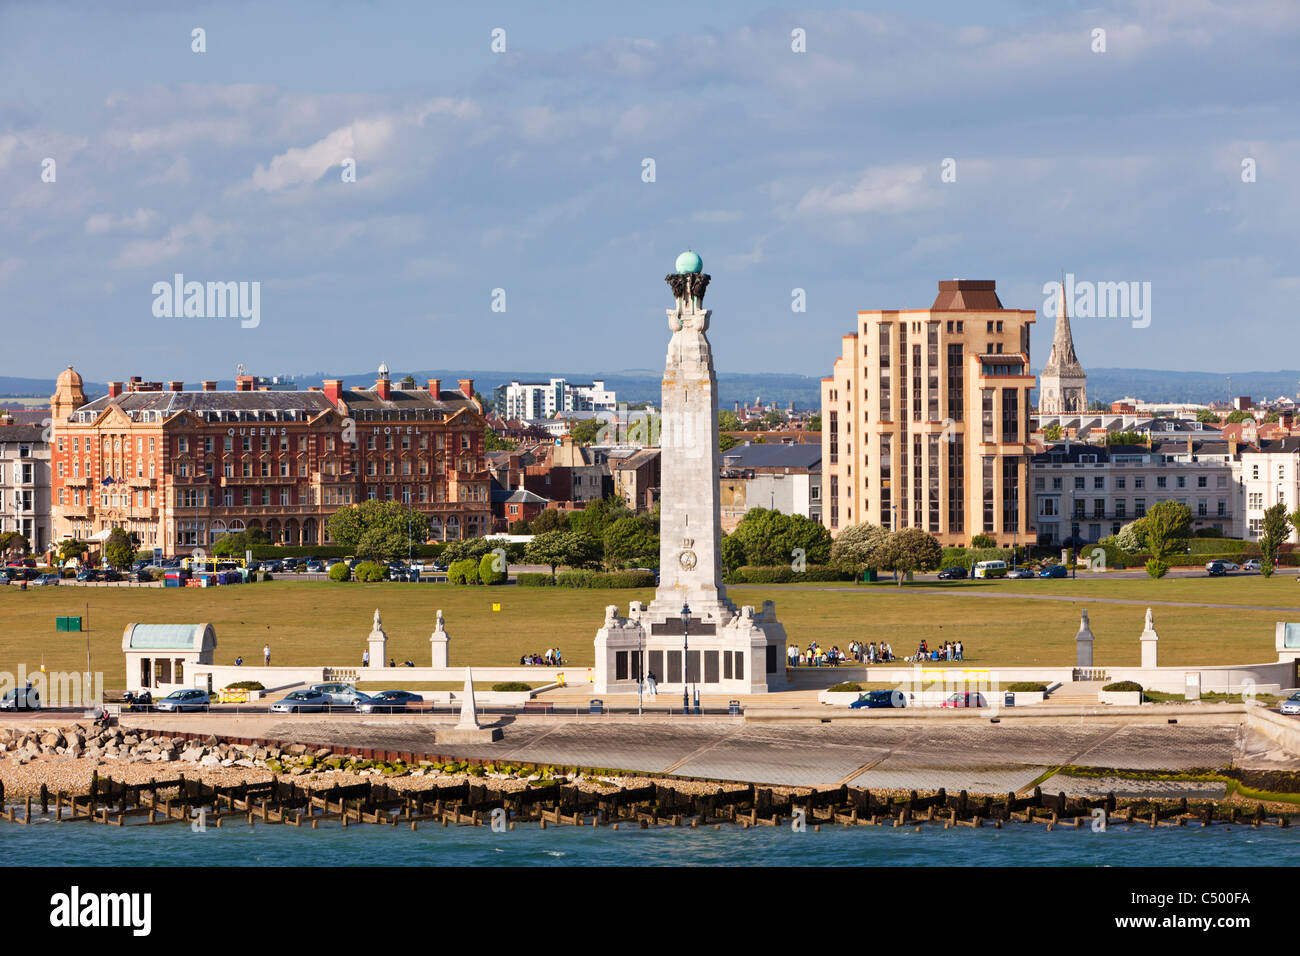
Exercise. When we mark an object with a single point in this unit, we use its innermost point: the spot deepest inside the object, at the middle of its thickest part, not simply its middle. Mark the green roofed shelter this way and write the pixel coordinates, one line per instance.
(158, 655)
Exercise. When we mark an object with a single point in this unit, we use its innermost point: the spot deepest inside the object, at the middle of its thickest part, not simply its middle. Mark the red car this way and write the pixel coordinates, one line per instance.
(969, 699)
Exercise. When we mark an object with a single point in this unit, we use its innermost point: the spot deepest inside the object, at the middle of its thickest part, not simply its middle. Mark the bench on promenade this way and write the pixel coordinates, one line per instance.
(538, 706)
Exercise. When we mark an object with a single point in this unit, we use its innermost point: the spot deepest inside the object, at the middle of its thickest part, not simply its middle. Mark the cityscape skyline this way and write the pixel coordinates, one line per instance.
(850, 174)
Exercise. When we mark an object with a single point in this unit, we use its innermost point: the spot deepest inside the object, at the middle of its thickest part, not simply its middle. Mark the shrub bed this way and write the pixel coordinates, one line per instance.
(370, 572)
(463, 572)
(1123, 685)
(1026, 687)
(488, 572)
(511, 686)
(845, 687)
(340, 572)
(606, 579)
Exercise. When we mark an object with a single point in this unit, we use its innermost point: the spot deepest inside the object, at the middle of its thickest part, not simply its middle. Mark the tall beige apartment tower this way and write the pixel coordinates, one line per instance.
(925, 421)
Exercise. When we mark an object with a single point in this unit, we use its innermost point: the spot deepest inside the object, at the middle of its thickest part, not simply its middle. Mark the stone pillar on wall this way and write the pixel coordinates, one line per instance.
(377, 644)
(438, 642)
(1149, 639)
(1083, 642)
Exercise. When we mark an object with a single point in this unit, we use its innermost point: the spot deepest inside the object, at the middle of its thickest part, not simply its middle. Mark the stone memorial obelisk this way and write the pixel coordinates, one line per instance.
(690, 636)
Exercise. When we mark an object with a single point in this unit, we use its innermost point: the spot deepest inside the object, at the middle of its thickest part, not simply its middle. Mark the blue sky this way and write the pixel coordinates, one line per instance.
(522, 171)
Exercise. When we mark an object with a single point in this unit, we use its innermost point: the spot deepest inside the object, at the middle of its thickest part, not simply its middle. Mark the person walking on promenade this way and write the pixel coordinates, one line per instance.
(365, 659)
(266, 654)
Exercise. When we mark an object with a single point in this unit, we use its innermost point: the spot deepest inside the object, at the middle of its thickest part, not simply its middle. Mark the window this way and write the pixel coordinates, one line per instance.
(1139, 507)
(1202, 481)
(1120, 481)
(1079, 482)
(1099, 483)
(1139, 482)
(1121, 508)
(1255, 500)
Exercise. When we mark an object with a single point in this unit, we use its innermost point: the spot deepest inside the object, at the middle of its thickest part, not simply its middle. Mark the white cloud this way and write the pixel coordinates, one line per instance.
(104, 222)
(880, 189)
(197, 233)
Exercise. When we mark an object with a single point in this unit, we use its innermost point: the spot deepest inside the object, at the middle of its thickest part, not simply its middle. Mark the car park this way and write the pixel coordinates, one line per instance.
(1292, 704)
(179, 701)
(879, 698)
(954, 573)
(301, 702)
(966, 699)
(388, 702)
(1054, 571)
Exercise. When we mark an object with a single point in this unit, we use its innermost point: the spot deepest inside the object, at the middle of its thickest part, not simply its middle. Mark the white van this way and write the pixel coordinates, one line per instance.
(990, 569)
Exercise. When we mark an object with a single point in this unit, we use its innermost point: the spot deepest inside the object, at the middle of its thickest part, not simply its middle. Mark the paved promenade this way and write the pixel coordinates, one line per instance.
(971, 754)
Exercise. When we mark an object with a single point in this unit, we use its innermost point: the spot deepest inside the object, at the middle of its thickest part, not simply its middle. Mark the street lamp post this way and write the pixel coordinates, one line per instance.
(640, 670)
(686, 657)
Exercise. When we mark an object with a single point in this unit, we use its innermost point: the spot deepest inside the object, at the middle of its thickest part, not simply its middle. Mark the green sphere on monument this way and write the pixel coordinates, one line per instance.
(689, 262)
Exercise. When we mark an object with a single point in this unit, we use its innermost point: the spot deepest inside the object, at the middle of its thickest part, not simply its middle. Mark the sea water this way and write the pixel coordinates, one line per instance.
(237, 844)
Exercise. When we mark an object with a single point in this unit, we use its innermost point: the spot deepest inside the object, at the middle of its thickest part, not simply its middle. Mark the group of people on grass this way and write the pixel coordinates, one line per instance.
(949, 651)
(552, 658)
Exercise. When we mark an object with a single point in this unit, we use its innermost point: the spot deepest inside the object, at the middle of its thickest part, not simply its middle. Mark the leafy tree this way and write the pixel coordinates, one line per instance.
(1236, 415)
(912, 549)
(632, 541)
(1129, 538)
(770, 537)
(727, 442)
(494, 442)
(71, 548)
(339, 571)
(598, 514)
(1052, 433)
(11, 542)
(585, 432)
(773, 419)
(815, 422)
(370, 572)
(572, 548)
(728, 421)
(733, 552)
(1273, 533)
(239, 542)
(118, 551)
(983, 541)
(382, 527)
(1125, 438)
(552, 519)
(1272, 417)
(1165, 531)
(408, 383)
(1207, 416)
(860, 546)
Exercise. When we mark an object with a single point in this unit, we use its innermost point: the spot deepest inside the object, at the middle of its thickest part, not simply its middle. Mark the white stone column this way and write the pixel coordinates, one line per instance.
(1149, 641)
(377, 644)
(1083, 642)
(438, 642)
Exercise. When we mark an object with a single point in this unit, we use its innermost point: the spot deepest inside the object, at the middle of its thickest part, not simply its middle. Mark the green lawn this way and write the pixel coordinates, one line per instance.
(309, 623)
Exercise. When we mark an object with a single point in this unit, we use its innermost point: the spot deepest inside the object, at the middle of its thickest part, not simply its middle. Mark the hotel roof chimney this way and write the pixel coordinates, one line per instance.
(175, 386)
(209, 386)
(114, 389)
(334, 390)
(435, 387)
(466, 386)
(244, 383)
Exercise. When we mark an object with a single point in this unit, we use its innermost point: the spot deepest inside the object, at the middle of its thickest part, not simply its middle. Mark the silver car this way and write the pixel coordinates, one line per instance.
(340, 694)
(301, 702)
(1292, 704)
(179, 701)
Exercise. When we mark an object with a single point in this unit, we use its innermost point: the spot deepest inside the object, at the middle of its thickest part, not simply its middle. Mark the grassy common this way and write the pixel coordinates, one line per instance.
(312, 623)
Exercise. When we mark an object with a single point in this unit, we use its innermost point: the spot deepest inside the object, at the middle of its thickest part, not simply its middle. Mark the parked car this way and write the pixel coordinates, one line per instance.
(1250, 564)
(21, 698)
(111, 574)
(46, 580)
(1020, 573)
(954, 573)
(179, 701)
(880, 698)
(966, 699)
(340, 694)
(5, 577)
(301, 701)
(1215, 569)
(388, 702)
(1231, 565)
(316, 566)
(1292, 704)
(87, 574)
(1054, 571)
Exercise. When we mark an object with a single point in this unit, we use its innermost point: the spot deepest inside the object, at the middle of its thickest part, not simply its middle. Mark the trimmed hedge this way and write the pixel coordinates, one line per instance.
(1026, 687)
(340, 571)
(845, 687)
(371, 572)
(246, 685)
(487, 570)
(1123, 685)
(267, 552)
(463, 572)
(606, 579)
(510, 687)
(530, 579)
(784, 574)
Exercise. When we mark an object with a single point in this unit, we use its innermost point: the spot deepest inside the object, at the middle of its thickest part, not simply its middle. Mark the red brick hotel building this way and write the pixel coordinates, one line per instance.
(182, 468)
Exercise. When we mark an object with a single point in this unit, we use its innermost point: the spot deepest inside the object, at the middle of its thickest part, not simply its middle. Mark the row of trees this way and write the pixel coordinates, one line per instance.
(864, 546)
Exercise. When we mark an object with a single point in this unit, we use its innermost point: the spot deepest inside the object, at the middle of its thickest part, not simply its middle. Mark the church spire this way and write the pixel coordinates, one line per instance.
(1062, 357)
(1063, 386)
